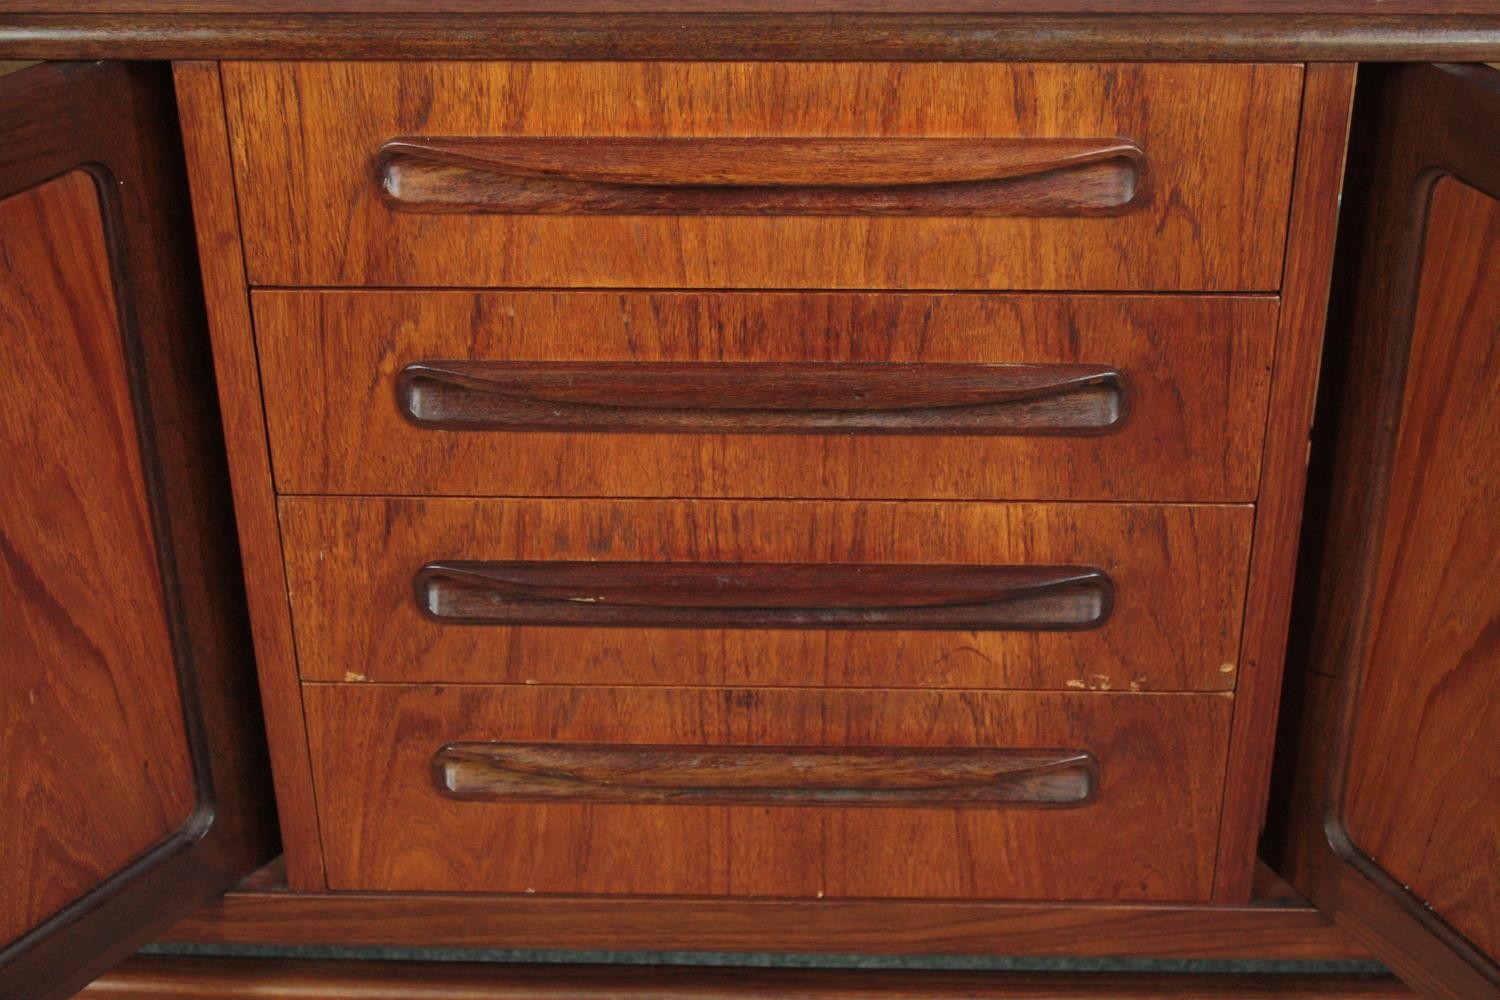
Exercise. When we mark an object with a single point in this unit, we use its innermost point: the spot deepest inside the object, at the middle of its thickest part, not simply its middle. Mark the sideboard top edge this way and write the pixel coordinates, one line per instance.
(58, 29)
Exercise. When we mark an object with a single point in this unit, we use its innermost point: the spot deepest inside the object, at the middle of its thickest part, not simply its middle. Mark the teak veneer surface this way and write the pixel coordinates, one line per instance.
(1218, 143)
(1178, 574)
(97, 770)
(1195, 370)
(1149, 832)
(1423, 801)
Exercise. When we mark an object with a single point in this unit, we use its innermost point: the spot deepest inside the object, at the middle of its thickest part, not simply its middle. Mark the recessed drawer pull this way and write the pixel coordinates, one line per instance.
(763, 775)
(765, 595)
(731, 397)
(761, 176)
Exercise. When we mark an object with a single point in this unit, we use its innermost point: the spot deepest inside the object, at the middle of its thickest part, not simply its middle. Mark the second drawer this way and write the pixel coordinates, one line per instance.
(834, 395)
(768, 593)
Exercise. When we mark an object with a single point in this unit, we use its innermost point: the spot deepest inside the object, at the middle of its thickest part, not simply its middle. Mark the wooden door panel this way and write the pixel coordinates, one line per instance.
(1394, 822)
(133, 787)
(90, 706)
(1422, 791)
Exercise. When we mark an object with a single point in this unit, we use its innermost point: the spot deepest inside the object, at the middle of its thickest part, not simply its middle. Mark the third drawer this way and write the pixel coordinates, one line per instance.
(1112, 597)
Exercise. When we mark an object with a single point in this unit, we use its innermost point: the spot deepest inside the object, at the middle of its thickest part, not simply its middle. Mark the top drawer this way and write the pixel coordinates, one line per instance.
(765, 175)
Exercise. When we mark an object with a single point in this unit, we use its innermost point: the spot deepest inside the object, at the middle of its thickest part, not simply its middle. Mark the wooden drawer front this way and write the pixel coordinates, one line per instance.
(786, 593)
(693, 791)
(848, 394)
(767, 175)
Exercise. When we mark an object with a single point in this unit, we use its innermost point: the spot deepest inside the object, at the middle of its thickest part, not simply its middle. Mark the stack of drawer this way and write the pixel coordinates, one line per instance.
(803, 480)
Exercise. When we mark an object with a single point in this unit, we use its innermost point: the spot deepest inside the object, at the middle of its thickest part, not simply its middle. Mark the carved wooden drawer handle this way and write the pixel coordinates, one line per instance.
(725, 397)
(765, 595)
(763, 775)
(762, 176)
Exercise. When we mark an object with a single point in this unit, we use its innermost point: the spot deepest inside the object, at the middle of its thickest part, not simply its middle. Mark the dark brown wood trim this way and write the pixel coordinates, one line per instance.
(1322, 139)
(1419, 123)
(949, 37)
(151, 977)
(118, 123)
(536, 772)
(762, 176)
(765, 595)
(756, 397)
(1277, 926)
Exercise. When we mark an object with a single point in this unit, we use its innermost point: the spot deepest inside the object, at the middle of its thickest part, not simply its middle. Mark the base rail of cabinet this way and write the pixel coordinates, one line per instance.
(1277, 926)
(157, 976)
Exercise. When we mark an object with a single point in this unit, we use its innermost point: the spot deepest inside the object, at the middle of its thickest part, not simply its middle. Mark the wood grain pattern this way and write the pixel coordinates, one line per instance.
(763, 776)
(1422, 798)
(312, 213)
(372, 746)
(1278, 925)
(97, 769)
(744, 397)
(154, 977)
(117, 122)
(1278, 515)
(760, 176)
(206, 145)
(728, 595)
(1367, 30)
(1178, 574)
(1195, 372)
(1417, 123)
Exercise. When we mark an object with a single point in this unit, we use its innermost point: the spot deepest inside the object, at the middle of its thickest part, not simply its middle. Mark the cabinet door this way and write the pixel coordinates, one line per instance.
(1395, 828)
(133, 785)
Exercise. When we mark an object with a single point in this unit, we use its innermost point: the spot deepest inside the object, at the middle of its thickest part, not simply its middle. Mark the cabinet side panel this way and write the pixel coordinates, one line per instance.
(1326, 104)
(206, 144)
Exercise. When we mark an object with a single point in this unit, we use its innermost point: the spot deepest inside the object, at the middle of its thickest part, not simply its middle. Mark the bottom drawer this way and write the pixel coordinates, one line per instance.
(768, 792)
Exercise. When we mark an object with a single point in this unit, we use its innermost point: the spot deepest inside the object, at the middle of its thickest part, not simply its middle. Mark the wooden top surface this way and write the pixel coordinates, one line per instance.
(1220, 8)
(1280, 30)
(1114, 8)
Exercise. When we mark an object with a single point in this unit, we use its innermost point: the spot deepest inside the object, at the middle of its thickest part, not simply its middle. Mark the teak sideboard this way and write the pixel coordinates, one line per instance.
(633, 476)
